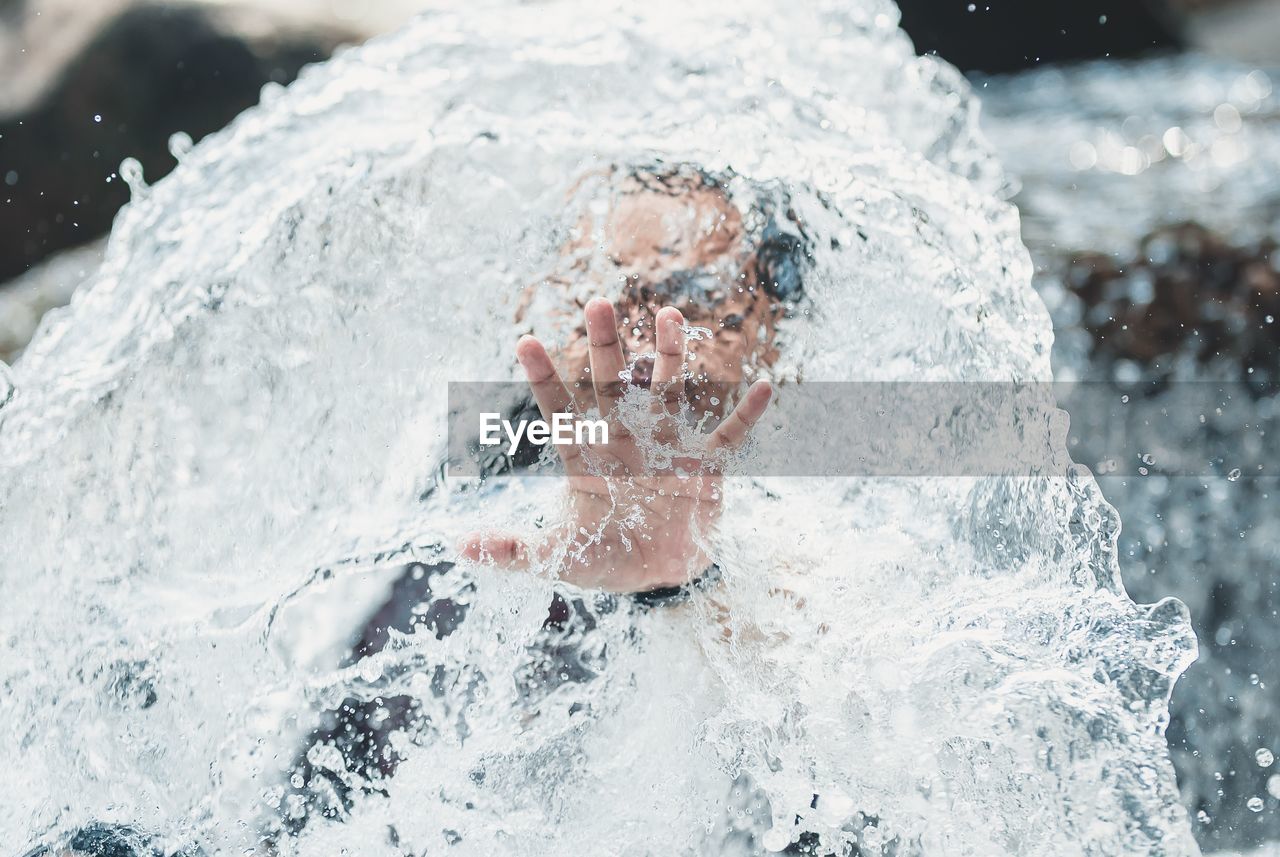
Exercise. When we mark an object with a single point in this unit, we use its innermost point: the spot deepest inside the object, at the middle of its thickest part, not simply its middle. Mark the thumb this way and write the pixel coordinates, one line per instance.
(498, 549)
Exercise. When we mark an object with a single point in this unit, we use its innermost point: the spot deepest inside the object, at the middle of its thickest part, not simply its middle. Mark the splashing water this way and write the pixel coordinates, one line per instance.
(216, 461)
(1132, 147)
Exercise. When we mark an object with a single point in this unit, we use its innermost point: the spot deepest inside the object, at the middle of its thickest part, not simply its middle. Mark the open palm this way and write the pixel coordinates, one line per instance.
(632, 523)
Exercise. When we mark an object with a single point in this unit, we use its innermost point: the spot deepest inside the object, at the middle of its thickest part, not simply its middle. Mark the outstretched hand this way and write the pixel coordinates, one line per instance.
(629, 525)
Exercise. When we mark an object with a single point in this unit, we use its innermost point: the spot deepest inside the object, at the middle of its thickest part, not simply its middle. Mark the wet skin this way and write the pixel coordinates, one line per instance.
(627, 526)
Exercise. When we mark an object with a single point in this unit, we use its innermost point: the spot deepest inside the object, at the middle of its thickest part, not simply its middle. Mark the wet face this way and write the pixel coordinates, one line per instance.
(679, 240)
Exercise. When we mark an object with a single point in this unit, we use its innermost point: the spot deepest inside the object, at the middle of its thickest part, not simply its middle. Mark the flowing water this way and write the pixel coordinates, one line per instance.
(217, 460)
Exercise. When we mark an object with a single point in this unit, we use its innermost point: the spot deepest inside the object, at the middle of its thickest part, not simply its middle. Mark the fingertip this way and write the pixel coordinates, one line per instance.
(670, 324)
(527, 348)
(670, 315)
(762, 391)
(602, 321)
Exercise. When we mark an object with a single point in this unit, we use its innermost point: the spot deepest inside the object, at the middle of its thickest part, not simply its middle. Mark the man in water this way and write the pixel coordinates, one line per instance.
(694, 251)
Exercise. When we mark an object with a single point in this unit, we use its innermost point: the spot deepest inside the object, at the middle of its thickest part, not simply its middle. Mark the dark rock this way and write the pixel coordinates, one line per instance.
(1187, 293)
(149, 72)
(1011, 35)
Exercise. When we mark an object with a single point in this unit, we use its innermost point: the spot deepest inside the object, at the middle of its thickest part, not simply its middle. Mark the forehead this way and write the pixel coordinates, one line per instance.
(665, 223)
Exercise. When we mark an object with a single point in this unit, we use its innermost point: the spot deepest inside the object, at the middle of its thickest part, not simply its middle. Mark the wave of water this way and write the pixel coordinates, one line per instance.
(1132, 147)
(217, 459)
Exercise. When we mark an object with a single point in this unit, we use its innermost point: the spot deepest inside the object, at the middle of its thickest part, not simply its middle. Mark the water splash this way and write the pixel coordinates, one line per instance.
(1106, 152)
(219, 457)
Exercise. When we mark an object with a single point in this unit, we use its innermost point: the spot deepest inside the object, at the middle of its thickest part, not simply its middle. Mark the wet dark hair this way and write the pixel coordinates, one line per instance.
(781, 257)
(780, 244)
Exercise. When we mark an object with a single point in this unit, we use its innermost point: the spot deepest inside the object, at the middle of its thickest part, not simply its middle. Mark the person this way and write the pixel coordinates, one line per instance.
(694, 250)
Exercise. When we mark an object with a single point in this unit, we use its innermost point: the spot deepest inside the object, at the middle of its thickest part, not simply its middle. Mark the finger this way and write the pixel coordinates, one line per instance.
(550, 393)
(668, 366)
(731, 433)
(605, 349)
(548, 389)
(495, 549)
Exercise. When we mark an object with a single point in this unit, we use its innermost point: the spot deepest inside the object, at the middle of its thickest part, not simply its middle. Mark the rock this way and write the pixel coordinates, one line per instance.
(1187, 293)
(147, 72)
(996, 36)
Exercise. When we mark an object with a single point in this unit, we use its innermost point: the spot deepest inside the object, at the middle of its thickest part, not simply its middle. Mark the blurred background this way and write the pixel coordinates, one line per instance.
(1142, 138)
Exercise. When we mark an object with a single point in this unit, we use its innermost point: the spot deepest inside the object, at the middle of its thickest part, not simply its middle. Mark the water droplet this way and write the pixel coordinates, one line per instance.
(97, 117)
(179, 144)
(1227, 118)
(1273, 785)
(1255, 804)
(1234, 475)
(1264, 757)
(1148, 459)
(131, 172)
(270, 92)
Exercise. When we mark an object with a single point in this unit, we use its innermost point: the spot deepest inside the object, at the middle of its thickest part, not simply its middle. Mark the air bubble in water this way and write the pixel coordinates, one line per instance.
(1234, 475)
(1255, 804)
(776, 839)
(1264, 757)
